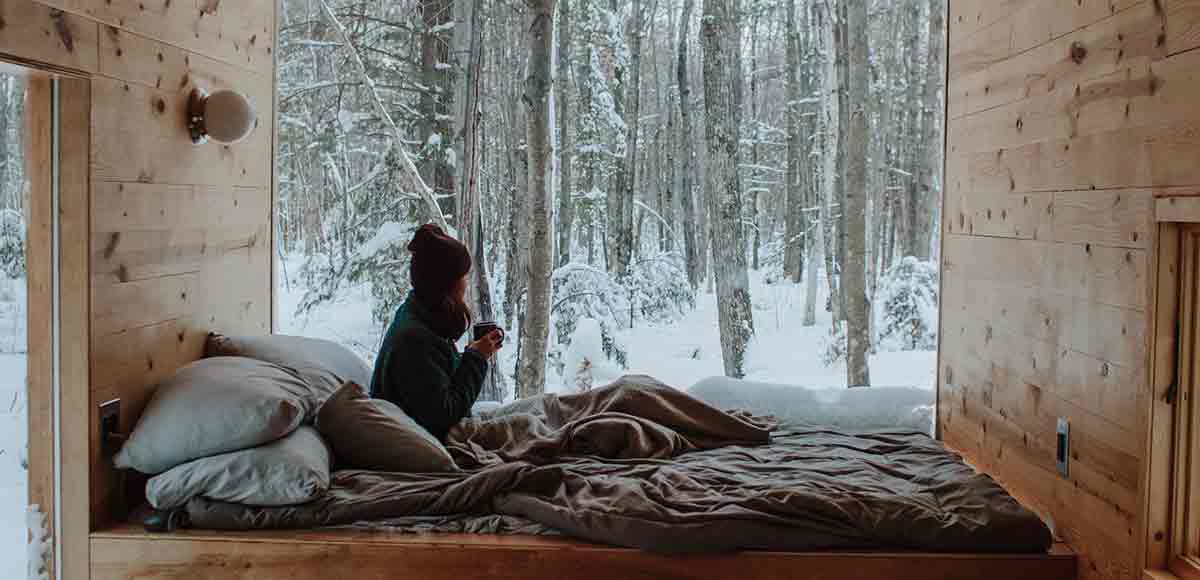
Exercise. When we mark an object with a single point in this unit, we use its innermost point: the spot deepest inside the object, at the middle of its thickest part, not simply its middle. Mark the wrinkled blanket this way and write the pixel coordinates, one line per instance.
(640, 464)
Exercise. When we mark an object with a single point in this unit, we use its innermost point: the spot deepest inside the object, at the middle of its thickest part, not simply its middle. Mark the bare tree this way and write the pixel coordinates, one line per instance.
(854, 283)
(468, 41)
(621, 204)
(436, 98)
(721, 35)
(930, 169)
(414, 177)
(531, 374)
(687, 197)
(566, 135)
(793, 190)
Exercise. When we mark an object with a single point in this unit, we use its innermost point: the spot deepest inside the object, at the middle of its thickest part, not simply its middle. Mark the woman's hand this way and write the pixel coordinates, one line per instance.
(489, 344)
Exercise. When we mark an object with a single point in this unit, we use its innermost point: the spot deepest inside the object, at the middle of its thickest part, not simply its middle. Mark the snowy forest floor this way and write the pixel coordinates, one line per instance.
(678, 354)
(13, 430)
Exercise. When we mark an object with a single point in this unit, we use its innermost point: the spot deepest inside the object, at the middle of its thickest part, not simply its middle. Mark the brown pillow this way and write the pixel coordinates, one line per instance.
(323, 364)
(213, 406)
(375, 434)
(290, 471)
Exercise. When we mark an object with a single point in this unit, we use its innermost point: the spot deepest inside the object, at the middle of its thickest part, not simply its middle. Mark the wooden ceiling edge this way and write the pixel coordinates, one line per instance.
(24, 67)
(102, 21)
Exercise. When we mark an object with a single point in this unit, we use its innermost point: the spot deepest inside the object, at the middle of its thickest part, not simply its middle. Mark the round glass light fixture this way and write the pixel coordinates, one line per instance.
(224, 116)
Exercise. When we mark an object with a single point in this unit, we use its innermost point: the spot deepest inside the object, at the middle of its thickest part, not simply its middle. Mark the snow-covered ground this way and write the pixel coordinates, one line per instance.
(13, 495)
(679, 354)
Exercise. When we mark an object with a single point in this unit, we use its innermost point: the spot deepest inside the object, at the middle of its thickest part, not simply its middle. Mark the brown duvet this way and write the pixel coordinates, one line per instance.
(643, 465)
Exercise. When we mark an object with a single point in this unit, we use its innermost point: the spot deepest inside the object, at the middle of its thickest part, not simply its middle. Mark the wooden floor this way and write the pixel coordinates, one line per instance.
(128, 553)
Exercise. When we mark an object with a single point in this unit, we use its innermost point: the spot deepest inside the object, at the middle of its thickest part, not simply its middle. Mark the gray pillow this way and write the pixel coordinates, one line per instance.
(323, 364)
(375, 434)
(290, 471)
(212, 406)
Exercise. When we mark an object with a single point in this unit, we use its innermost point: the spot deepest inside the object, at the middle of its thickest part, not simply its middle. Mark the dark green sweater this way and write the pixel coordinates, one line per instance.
(424, 374)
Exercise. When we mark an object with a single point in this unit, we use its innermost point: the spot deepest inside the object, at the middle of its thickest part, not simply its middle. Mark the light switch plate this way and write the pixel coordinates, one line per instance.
(110, 424)
(1062, 456)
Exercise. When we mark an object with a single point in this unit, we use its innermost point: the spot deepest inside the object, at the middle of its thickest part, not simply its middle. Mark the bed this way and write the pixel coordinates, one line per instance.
(641, 465)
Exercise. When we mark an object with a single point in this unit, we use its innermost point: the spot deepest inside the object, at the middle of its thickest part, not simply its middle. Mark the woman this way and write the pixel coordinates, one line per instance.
(418, 367)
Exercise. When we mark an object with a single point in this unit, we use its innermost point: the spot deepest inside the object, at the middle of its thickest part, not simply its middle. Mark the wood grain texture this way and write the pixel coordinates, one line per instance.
(354, 555)
(76, 404)
(40, 299)
(239, 33)
(179, 239)
(1156, 476)
(1064, 136)
(141, 136)
(39, 34)
(161, 240)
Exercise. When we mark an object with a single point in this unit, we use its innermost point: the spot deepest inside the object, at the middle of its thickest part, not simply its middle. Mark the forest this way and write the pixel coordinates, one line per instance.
(609, 162)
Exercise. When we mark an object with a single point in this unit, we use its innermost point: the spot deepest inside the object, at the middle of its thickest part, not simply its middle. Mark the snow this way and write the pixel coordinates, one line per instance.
(346, 119)
(13, 429)
(443, 27)
(687, 350)
(388, 233)
(38, 549)
(585, 357)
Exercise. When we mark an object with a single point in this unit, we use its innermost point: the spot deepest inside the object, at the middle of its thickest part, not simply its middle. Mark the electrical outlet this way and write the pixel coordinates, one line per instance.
(110, 426)
(1062, 455)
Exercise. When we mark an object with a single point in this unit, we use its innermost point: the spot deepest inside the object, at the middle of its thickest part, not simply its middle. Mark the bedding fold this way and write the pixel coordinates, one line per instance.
(642, 465)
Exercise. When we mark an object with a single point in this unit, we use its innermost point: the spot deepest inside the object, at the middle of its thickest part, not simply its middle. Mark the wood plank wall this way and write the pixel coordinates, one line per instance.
(1066, 119)
(180, 234)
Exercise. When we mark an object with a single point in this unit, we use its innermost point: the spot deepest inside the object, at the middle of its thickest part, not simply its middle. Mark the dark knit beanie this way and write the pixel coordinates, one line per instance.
(438, 261)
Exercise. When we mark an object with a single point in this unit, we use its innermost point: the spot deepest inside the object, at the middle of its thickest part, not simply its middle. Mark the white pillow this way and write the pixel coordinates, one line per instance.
(212, 406)
(290, 471)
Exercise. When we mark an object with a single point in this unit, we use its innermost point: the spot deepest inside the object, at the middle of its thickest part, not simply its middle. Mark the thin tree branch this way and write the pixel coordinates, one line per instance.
(406, 163)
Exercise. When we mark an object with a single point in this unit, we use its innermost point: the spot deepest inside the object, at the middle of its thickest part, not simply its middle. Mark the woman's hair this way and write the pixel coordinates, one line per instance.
(438, 262)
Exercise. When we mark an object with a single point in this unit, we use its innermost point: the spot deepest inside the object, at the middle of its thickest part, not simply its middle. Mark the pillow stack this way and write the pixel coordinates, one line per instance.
(238, 425)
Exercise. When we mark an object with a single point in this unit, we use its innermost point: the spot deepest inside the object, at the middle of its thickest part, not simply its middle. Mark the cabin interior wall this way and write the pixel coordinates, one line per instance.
(1065, 121)
(180, 236)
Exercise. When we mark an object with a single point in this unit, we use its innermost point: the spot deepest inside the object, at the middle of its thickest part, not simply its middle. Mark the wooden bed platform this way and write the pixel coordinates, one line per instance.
(129, 552)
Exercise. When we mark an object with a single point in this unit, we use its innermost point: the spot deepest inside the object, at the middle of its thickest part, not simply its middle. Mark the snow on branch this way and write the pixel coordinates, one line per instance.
(406, 163)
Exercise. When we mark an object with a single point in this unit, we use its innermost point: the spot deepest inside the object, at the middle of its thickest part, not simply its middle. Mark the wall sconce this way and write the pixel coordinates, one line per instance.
(224, 116)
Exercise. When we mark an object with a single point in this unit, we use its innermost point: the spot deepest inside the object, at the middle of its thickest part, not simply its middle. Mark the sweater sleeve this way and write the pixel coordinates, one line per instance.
(435, 394)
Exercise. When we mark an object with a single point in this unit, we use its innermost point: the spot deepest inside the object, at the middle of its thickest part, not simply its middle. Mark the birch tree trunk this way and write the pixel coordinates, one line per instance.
(531, 372)
(566, 135)
(687, 197)
(930, 174)
(812, 88)
(721, 36)
(793, 228)
(854, 283)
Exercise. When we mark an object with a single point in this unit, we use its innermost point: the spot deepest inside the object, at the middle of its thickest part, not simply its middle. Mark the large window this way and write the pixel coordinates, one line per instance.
(679, 188)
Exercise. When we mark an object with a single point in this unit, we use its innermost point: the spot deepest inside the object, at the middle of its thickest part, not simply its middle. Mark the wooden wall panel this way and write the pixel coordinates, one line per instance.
(180, 234)
(1064, 135)
(46, 36)
(39, 361)
(237, 32)
(171, 239)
